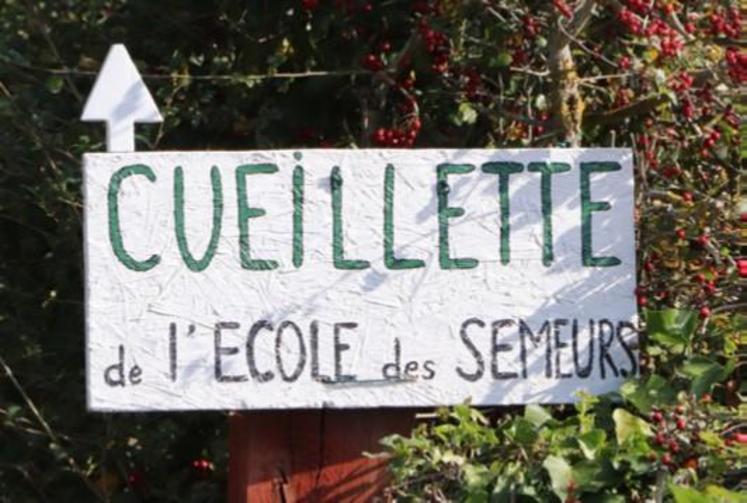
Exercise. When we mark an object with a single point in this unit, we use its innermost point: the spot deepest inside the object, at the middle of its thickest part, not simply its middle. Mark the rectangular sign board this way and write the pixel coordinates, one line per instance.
(357, 278)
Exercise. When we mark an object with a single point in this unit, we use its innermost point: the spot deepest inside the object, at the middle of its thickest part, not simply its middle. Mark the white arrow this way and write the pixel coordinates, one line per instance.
(120, 98)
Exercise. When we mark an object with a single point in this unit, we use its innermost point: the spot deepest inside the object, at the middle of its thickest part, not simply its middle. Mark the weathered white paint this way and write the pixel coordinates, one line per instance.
(120, 98)
(422, 308)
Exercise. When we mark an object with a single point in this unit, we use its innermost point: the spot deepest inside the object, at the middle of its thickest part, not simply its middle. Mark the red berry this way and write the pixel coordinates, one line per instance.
(309, 5)
(705, 312)
(136, 480)
(407, 83)
(666, 458)
(681, 234)
(563, 8)
(681, 423)
(373, 62)
(691, 463)
(202, 466)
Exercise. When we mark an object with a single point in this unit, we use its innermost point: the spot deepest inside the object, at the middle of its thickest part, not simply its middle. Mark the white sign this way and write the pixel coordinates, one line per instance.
(120, 99)
(357, 278)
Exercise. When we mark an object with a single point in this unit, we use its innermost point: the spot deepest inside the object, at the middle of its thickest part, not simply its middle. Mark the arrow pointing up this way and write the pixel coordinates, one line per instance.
(120, 98)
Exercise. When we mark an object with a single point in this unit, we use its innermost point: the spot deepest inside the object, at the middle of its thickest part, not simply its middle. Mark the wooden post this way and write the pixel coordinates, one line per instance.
(310, 455)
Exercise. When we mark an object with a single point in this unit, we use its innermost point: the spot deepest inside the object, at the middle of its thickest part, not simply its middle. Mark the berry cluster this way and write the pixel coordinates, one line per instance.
(631, 21)
(438, 46)
(640, 6)
(472, 84)
(681, 82)
(202, 467)
(728, 23)
(677, 438)
(424, 7)
(373, 62)
(711, 139)
(397, 137)
(736, 63)
(531, 26)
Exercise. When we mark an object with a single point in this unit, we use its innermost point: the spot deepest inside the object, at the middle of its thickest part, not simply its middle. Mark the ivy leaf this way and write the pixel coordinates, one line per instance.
(594, 476)
(536, 414)
(560, 474)
(592, 442)
(705, 373)
(672, 328)
(711, 439)
(628, 426)
(476, 477)
(522, 432)
(722, 495)
(645, 394)
(682, 494)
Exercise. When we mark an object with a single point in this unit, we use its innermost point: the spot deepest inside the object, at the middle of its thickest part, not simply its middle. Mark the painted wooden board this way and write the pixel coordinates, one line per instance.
(357, 278)
(311, 455)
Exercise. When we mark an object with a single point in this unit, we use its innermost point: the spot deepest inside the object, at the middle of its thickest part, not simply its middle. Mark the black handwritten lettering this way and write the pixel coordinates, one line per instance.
(479, 360)
(223, 350)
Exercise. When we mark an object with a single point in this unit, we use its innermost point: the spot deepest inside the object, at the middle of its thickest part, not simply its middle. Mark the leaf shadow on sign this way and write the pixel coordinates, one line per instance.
(322, 453)
(126, 112)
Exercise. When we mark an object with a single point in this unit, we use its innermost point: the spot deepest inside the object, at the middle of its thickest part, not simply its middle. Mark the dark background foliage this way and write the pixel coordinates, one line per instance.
(232, 74)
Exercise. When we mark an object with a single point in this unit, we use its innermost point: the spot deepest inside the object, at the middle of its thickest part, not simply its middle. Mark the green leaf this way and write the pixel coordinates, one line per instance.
(711, 439)
(672, 328)
(466, 115)
(705, 373)
(503, 59)
(682, 494)
(451, 458)
(627, 426)
(560, 474)
(592, 442)
(645, 394)
(480, 496)
(594, 476)
(722, 495)
(522, 432)
(536, 414)
(54, 84)
(476, 477)
(604, 498)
